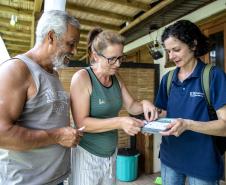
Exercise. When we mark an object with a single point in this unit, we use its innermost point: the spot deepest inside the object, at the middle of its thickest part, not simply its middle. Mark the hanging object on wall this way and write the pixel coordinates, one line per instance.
(13, 20)
(154, 46)
(155, 50)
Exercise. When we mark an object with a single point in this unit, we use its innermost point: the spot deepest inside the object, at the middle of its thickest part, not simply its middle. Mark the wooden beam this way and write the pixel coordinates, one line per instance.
(13, 29)
(12, 38)
(37, 6)
(21, 43)
(98, 12)
(131, 3)
(16, 34)
(82, 42)
(82, 45)
(36, 11)
(84, 32)
(16, 11)
(147, 14)
(16, 51)
(12, 54)
(17, 46)
(83, 57)
(19, 22)
(80, 53)
(96, 23)
(81, 49)
(83, 38)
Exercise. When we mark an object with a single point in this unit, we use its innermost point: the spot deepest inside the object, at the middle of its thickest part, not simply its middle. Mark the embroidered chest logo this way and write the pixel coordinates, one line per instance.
(196, 94)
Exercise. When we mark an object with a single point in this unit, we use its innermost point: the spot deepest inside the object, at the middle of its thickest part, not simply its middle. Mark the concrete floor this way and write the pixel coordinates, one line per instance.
(141, 180)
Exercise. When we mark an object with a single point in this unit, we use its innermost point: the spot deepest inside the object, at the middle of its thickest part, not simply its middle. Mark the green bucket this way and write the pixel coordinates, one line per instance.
(127, 164)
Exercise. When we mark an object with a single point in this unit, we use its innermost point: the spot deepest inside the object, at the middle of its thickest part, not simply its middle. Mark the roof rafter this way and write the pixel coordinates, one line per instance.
(17, 47)
(19, 22)
(21, 43)
(16, 34)
(73, 6)
(85, 32)
(8, 38)
(131, 3)
(9, 28)
(17, 11)
(153, 10)
(16, 50)
(82, 45)
(103, 25)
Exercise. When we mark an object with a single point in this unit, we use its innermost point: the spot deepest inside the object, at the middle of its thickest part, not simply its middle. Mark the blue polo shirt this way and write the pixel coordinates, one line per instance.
(192, 153)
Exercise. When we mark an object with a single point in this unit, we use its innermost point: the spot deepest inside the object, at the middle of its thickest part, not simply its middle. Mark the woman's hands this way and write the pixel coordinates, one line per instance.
(176, 127)
(131, 125)
(150, 111)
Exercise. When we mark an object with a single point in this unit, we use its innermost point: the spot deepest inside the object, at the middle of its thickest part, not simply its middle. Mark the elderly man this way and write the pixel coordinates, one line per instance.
(35, 136)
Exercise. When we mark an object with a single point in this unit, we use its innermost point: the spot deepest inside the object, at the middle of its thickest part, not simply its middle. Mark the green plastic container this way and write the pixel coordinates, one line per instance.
(127, 164)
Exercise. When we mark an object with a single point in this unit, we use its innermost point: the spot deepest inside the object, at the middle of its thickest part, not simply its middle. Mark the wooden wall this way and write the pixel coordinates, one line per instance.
(140, 55)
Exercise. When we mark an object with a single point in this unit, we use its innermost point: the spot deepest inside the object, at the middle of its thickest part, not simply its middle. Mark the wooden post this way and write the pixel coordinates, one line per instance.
(37, 9)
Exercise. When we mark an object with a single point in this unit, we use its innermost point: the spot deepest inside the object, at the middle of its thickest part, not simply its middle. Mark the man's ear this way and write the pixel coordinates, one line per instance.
(51, 37)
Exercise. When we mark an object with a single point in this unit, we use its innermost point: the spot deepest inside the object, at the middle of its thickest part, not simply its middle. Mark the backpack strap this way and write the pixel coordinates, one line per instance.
(169, 81)
(220, 142)
(205, 80)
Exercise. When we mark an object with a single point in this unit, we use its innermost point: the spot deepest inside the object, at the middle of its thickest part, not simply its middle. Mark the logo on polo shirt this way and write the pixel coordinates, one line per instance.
(196, 94)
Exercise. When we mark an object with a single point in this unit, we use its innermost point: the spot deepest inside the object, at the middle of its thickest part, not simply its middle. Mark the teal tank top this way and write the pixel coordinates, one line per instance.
(105, 102)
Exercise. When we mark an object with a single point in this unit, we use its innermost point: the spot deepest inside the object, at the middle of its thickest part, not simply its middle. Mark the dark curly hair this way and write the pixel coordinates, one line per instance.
(188, 33)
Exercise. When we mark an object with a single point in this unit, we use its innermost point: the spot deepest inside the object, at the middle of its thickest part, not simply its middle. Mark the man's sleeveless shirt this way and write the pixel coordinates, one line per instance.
(49, 108)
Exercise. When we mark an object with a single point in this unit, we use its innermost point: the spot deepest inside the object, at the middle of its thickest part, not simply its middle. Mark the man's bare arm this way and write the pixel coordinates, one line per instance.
(16, 86)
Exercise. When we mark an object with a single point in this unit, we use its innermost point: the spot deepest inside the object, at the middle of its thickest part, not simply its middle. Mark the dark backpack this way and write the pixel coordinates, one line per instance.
(220, 142)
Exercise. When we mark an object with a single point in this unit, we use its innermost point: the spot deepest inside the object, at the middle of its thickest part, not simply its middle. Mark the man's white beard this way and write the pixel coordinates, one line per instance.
(59, 62)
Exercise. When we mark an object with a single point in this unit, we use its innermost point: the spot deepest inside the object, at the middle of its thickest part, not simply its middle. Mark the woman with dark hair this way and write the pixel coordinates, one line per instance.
(97, 95)
(187, 148)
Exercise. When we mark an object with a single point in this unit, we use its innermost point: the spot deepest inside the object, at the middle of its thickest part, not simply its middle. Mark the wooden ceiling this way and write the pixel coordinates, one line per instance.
(131, 18)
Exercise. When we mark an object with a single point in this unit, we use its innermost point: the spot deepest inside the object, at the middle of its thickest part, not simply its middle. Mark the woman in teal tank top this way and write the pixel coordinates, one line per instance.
(97, 95)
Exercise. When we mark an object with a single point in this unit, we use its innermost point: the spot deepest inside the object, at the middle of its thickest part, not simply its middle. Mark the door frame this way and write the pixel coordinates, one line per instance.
(211, 25)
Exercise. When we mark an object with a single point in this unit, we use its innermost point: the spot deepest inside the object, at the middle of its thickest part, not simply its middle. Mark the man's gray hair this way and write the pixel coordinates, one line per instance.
(55, 21)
